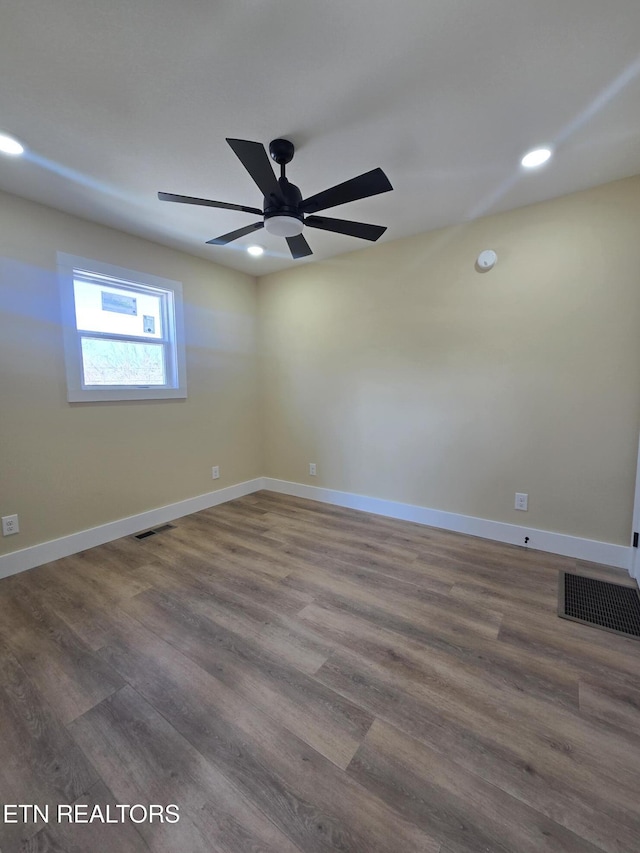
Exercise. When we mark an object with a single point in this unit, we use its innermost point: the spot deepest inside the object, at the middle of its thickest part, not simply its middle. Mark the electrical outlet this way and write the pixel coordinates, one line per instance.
(215, 472)
(312, 469)
(10, 525)
(522, 501)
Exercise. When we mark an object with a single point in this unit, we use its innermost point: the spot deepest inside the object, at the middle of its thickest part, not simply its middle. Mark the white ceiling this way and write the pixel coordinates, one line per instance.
(117, 100)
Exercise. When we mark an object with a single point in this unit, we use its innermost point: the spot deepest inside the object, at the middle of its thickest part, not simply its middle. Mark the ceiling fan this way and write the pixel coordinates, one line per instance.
(285, 212)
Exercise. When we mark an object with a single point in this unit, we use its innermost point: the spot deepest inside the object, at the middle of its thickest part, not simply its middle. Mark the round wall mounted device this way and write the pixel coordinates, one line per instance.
(486, 260)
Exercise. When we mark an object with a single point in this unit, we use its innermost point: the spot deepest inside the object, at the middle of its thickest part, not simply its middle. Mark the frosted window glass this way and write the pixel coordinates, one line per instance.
(108, 362)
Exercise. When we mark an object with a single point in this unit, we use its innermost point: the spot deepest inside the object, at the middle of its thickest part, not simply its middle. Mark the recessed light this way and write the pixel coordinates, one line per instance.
(256, 251)
(536, 158)
(9, 145)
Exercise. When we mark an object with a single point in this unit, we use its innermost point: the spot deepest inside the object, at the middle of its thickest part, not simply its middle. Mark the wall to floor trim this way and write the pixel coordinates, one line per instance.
(37, 555)
(540, 540)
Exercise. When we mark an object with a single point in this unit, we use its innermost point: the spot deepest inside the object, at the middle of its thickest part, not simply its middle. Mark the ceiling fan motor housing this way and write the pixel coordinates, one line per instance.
(282, 216)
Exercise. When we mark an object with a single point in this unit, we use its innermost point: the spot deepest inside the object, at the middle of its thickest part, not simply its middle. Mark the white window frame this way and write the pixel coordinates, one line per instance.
(71, 267)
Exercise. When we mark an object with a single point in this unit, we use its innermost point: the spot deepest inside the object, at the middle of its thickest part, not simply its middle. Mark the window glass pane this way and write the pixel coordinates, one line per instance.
(107, 362)
(118, 311)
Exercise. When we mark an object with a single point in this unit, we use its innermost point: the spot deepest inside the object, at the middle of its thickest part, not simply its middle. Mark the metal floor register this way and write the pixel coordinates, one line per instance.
(602, 604)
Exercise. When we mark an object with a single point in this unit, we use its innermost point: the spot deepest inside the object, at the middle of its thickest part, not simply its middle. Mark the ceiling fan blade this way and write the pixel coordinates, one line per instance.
(205, 202)
(255, 159)
(234, 235)
(299, 247)
(371, 183)
(345, 226)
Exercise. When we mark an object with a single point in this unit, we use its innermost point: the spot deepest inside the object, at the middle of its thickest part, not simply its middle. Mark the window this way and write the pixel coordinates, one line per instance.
(122, 333)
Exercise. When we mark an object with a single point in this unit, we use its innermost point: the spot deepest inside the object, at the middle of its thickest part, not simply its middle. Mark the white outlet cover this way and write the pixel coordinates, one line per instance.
(10, 525)
(522, 501)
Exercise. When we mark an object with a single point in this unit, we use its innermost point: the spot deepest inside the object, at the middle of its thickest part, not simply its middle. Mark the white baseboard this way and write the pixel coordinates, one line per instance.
(540, 540)
(37, 555)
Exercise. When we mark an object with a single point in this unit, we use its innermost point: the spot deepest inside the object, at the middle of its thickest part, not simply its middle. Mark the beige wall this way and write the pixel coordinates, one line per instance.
(407, 375)
(65, 468)
(401, 371)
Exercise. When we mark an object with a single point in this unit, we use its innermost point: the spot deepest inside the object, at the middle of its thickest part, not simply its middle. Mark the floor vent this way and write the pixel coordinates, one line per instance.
(610, 606)
(153, 532)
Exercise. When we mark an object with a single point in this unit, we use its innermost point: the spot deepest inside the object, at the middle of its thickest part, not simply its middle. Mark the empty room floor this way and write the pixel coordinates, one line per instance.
(301, 678)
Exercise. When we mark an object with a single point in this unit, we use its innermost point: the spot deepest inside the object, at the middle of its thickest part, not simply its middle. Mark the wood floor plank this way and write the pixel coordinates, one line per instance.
(122, 556)
(502, 597)
(308, 556)
(142, 758)
(384, 596)
(108, 574)
(605, 573)
(39, 762)
(226, 516)
(580, 646)
(220, 548)
(82, 606)
(97, 837)
(204, 539)
(277, 632)
(502, 754)
(374, 633)
(416, 650)
(482, 697)
(456, 566)
(383, 559)
(319, 679)
(354, 540)
(242, 580)
(614, 701)
(311, 800)
(313, 510)
(493, 556)
(465, 812)
(65, 671)
(326, 721)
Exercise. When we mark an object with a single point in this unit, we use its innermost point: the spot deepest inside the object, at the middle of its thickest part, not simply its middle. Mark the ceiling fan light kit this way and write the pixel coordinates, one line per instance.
(284, 211)
(283, 226)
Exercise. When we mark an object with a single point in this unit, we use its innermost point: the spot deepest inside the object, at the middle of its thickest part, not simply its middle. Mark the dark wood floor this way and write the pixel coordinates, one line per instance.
(300, 678)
